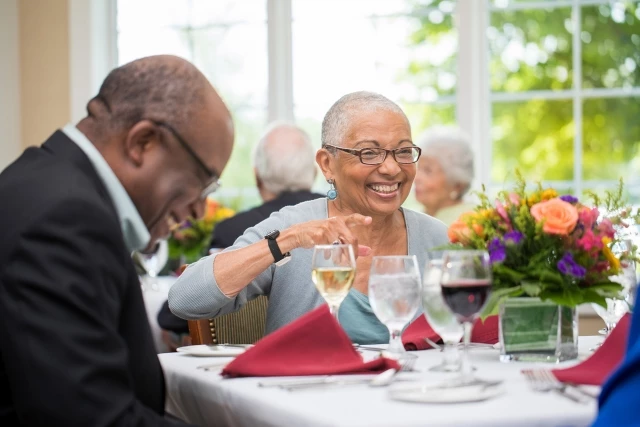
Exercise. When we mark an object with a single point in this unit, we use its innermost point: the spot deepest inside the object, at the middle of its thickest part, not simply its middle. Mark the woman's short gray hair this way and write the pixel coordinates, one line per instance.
(337, 120)
(284, 159)
(451, 147)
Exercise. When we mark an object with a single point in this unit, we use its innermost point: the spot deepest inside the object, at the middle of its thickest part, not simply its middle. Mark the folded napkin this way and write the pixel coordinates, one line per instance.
(314, 344)
(602, 362)
(413, 337)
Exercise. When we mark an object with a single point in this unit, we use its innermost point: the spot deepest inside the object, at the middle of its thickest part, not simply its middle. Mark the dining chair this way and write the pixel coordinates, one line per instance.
(245, 326)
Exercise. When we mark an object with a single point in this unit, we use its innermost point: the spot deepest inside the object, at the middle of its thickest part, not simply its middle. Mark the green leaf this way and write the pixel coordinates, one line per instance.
(594, 297)
(566, 297)
(507, 274)
(496, 298)
(532, 289)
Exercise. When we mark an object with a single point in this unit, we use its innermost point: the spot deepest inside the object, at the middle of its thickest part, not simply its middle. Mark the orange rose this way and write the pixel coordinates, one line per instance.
(559, 217)
(462, 229)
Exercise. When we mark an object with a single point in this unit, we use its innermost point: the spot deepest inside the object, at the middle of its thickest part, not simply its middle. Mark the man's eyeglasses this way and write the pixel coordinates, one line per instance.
(213, 183)
(376, 156)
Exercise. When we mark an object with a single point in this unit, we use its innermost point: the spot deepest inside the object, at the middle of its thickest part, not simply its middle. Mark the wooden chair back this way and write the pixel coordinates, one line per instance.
(245, 326)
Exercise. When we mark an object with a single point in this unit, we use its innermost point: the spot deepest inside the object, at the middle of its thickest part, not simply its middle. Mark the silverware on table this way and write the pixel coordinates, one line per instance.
(543, 380)
(213, 366)
(231, 345)
(380, 380)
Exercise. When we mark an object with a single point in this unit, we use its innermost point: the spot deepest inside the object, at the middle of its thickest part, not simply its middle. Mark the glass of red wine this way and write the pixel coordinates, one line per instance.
(466, 286)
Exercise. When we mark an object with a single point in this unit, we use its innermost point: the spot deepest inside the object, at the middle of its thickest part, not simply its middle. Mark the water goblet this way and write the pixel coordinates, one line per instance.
(440, 317)
(394, 294)
(153, 263)
(465, 287)
(333, 271)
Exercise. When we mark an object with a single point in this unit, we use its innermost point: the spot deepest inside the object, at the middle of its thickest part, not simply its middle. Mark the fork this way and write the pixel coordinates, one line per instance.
(543, 380)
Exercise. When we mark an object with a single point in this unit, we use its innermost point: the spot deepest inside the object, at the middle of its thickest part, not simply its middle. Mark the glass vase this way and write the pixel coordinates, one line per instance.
(532, 330)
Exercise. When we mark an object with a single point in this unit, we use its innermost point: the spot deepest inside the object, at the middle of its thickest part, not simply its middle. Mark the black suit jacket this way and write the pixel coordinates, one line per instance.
(75, 344)
(227, 231)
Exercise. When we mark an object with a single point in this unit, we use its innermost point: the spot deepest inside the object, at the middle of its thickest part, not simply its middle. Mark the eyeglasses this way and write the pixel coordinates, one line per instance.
(376, 156)
(213, 183)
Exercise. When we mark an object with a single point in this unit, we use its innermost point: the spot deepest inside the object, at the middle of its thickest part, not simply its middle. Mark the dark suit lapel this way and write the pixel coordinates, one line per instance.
(60, 145)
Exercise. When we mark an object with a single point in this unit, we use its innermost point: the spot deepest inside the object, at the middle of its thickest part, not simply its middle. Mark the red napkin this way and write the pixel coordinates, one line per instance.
(314, 344)
(602, 362)
(413, 337)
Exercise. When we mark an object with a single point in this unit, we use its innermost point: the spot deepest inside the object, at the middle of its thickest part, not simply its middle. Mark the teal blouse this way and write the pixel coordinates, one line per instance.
(359, 322)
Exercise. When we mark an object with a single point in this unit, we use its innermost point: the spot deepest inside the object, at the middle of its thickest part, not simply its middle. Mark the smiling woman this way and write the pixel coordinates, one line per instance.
(359, 133)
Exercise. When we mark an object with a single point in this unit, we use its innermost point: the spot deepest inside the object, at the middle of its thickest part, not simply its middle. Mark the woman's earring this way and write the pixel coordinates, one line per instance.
(332, 194)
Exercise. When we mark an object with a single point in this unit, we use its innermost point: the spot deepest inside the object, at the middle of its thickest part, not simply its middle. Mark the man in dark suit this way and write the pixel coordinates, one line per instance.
(75, 344)
(284, 167)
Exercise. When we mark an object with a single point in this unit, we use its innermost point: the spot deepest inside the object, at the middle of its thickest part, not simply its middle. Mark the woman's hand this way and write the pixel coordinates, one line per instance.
(331, 230)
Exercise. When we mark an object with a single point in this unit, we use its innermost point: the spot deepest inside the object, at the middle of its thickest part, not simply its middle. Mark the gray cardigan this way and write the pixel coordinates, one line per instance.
(291, 293)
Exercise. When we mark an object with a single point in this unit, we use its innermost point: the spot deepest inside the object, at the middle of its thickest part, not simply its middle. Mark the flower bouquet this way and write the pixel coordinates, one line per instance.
(190, 241)
(554, 249)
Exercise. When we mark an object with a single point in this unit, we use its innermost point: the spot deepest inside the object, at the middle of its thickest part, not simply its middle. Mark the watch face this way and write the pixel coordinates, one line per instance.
(272, 235)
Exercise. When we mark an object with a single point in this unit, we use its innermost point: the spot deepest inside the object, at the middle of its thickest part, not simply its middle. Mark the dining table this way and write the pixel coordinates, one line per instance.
(204, 397)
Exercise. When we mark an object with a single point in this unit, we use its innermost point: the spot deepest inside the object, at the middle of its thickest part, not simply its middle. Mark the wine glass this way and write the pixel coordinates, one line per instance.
(617, 307)
(153, 263)
(466, 286)
(333, 271)
(440, 317)
(394, 294)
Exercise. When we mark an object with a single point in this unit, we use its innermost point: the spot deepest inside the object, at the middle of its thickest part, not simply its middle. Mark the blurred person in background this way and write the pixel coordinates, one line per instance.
(445, 172)
(285, 169)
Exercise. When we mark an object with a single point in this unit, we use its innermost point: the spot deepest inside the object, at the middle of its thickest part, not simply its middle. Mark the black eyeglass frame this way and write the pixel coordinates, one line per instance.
(358, 153)
(214, 178)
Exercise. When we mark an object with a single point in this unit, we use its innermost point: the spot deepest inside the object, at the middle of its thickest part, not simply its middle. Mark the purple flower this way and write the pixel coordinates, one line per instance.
(568, 266)
(514, 237)
(569, 198)
(497, 252)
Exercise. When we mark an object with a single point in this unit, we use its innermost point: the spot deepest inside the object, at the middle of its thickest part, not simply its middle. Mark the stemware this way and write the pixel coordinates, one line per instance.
(394, 294)
(333, 271)
(153, 263)
(440, 317)
(466, 286)
(616, 307)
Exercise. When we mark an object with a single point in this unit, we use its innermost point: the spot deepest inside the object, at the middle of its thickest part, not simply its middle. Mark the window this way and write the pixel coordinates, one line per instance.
(564, 84)
(551, 87)
(227, 40)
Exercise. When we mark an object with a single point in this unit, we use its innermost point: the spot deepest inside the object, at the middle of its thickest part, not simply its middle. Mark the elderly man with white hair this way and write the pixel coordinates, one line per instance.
(285, 169)
(445, 172)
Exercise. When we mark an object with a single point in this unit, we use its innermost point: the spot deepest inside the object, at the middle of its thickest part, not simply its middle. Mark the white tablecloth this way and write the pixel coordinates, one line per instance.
(154, 296)
(204, 398)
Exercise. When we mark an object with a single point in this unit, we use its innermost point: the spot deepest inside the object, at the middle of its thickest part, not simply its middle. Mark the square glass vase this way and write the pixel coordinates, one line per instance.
(532, 330)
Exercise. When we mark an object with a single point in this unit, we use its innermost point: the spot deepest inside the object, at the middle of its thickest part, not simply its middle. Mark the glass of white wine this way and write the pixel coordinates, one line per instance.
(333, 271)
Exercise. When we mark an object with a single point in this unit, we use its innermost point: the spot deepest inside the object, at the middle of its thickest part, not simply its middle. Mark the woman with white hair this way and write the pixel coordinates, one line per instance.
(369, 159)
(445, 172)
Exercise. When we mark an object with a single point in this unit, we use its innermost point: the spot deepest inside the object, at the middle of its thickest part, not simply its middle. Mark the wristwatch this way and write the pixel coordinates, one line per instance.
(278, 256)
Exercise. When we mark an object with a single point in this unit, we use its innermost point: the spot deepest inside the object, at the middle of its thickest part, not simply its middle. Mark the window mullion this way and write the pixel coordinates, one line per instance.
(472, 91)
(577, 97)
(280, 98)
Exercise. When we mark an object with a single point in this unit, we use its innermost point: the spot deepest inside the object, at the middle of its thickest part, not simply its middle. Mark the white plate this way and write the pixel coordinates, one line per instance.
(211, 350)
(429, 393)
